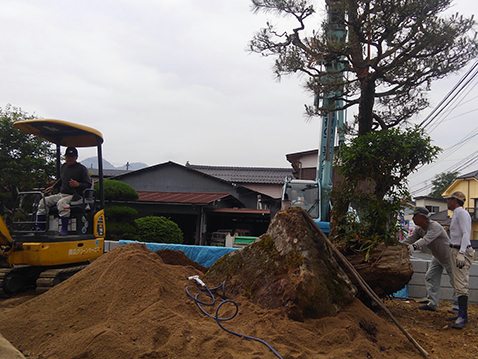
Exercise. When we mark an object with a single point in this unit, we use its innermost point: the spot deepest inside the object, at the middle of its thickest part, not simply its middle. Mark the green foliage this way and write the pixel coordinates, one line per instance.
(120, 212)
(121, 230)
(385, 157)
(120, 222)
(26, 161)
(441, 182)
(118, 191)
(412, 43)
(374, 168)
(159, 230)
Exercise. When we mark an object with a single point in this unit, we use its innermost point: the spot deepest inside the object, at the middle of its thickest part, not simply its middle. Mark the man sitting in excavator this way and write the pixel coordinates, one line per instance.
(74, 179)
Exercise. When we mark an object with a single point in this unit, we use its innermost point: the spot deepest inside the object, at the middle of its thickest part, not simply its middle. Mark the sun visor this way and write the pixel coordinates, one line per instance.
(62, 133)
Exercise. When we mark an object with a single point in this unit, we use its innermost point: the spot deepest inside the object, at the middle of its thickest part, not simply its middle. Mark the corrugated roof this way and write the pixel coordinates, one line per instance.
(263, 175)
(241, 210)
(180, 197)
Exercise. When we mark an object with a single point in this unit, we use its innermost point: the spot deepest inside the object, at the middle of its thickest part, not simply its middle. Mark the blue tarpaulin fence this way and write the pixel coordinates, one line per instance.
(203, 255)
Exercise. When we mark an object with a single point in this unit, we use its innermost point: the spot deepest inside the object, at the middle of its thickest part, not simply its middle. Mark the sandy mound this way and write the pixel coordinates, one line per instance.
(178, 258)
(130, 304)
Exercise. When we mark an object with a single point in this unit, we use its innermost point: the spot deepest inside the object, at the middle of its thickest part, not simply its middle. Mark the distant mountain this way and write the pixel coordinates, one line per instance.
(92, 162)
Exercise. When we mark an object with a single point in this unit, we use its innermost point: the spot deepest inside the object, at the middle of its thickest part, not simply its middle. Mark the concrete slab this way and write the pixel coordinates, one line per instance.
(419, 265)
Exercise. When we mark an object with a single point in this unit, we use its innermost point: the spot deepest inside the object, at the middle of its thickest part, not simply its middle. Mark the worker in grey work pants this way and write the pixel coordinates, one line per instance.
(432, 235)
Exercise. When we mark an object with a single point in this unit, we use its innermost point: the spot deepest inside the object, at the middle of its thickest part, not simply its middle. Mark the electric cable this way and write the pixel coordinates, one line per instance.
(457, 167)
(457, 102)
(441, 106)
(449, 151)
(204, 290)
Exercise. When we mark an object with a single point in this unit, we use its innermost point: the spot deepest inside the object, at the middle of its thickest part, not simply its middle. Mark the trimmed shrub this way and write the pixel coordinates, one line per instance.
(119, 212)
(117, 230)
(159, 230)
(118, 191)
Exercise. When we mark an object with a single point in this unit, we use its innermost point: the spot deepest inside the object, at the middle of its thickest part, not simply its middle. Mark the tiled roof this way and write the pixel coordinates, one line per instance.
(107, 172)
(180, 197)
(440, 216)
(263, 175)
(470, 174)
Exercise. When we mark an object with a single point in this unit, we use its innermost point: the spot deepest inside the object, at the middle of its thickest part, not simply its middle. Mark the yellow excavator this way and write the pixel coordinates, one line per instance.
(32, 254)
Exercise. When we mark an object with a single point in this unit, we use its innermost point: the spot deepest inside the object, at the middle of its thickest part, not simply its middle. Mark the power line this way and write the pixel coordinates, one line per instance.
(445, 102)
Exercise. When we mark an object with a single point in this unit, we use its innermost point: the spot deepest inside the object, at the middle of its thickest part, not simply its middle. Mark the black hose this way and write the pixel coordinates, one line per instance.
(204, 290)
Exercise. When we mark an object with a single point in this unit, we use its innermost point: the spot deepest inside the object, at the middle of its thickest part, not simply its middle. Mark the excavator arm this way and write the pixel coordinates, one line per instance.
(5, 237)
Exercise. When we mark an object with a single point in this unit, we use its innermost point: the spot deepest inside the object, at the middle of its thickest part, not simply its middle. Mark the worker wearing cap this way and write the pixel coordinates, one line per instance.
(73, 180)
(461, 254)
(432, 235)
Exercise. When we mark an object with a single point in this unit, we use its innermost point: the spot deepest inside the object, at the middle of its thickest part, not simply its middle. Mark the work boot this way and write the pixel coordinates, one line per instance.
(40, 223)
(462, 318)
(64, 226)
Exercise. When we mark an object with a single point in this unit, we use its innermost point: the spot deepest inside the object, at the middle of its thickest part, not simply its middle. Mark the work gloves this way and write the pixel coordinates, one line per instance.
(460, 260)
(412, 247)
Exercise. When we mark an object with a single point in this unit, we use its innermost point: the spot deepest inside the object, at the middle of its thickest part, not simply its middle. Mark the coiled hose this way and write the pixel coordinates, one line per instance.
(206, 291)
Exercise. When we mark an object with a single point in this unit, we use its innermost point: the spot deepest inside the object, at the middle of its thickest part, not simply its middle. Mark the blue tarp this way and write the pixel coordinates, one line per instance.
(203, 255)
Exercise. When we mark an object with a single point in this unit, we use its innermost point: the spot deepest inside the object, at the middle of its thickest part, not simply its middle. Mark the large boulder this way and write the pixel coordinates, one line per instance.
(289, 268)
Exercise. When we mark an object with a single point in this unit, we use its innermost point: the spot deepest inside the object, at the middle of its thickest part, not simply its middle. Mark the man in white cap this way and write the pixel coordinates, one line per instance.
(432, 235)
(461, 254)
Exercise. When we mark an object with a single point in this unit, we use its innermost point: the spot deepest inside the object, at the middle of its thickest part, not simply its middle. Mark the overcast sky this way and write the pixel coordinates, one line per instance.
(171, 80)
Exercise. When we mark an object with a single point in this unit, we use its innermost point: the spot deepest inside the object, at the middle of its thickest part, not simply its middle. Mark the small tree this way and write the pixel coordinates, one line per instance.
(441, 182)
(374, 168)
(26, 161)
(159, 230)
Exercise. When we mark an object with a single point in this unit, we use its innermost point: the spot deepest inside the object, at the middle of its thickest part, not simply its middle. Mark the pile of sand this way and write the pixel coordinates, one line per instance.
(130, 304)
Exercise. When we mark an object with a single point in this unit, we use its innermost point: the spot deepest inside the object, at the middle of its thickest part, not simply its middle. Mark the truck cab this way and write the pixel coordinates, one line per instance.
(305, 194)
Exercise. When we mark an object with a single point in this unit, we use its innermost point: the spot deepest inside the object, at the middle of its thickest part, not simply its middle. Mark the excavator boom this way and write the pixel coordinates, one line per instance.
(5, 237)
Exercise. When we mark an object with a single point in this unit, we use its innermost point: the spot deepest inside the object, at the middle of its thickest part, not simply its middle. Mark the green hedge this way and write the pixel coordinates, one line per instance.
(120, 212)
(119, 228)
(118, 191)
(158, 230)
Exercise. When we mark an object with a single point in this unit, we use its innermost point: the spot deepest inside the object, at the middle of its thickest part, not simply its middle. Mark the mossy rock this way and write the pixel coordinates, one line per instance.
(289, 268)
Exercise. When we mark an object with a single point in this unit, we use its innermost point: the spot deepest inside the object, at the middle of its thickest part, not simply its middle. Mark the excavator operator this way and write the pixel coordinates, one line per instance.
(74, 179)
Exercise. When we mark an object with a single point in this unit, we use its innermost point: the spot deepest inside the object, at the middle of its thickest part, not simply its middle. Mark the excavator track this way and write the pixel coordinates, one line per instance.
(16, 279)
(3, 279)
(51, 277)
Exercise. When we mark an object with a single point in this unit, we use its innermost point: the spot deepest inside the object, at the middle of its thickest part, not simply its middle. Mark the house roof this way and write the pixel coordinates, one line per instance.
(469, 175)
(429, 198)
(180, 197)
(440, 216)
(107, 172)
(165, 164)
(297, 155)
(262, 175)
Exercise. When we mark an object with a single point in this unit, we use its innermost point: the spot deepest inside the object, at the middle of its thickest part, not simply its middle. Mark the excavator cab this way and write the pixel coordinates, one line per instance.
(31, 251)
